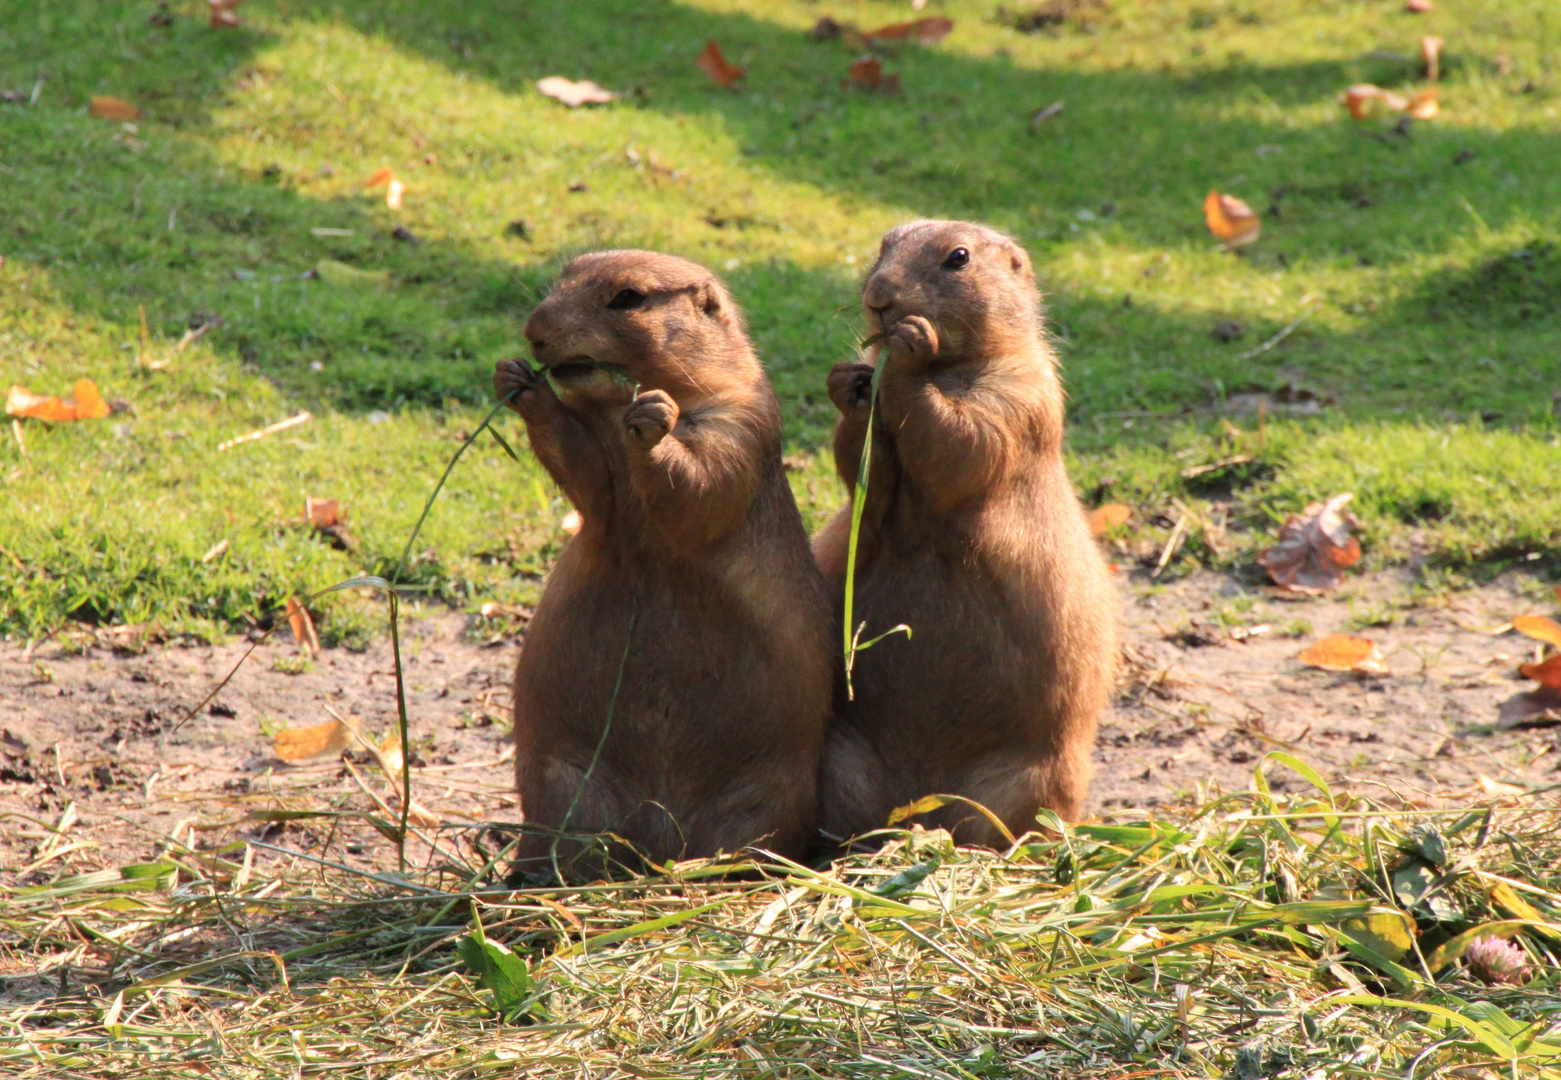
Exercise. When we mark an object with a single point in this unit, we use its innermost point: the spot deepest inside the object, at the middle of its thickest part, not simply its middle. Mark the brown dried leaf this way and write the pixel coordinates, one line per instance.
(322, 513)
(1547, 672)
(867, 74)
(714, 64)
(1340, 652)
(223, 14)
(1496, 789)
(574, 94)
(303, 627)
(113, 108)
(1231, 220)
(298, 744)
(928, 31)
(1539, 628)
(1423, 106)
(1315, 547)
(1105, 518)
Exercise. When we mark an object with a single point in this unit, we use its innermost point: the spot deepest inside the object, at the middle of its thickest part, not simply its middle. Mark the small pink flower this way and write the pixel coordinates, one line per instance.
(1492, 960)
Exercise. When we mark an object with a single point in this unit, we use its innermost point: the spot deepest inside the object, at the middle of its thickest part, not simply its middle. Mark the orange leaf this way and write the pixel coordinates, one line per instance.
(223, 13)
(381, 176)
(1423, 106)
(303, 628)
(113, 108)
(1230, 219)
(867, 74)
(1105, 518)
(1431, 55)
(1539, 628)
(574, 94)
(1547, 672)
(928, 31)
(297, 744)
(1315, 547)
(1340, 652)
(322, 513)
(717, 66)
(86, 404)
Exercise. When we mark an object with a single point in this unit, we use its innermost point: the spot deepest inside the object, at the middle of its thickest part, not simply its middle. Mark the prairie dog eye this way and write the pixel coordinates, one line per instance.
(958, 259)
(628, 298)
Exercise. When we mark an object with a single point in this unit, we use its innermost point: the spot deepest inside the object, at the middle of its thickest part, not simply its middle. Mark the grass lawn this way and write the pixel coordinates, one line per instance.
(1428, 259)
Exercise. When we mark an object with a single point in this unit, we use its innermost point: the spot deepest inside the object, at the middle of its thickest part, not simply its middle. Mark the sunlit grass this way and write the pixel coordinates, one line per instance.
(1428, 260)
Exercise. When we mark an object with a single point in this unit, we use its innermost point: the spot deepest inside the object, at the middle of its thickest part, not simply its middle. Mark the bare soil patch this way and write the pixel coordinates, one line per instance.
(1205, 694)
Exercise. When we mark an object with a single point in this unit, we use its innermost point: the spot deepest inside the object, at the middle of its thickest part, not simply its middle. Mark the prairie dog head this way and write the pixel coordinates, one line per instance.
(666, 323)
(973, 284)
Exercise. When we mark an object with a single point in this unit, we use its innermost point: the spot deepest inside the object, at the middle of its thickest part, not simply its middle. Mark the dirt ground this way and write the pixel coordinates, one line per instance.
(1211, 683)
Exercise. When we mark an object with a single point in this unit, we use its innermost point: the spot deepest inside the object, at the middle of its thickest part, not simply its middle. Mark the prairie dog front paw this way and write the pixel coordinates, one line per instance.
(851, 387)
(913, 340)
(649, 419)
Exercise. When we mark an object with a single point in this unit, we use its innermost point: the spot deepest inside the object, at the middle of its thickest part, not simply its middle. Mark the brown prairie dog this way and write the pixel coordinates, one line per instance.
(691, 536)
(971, 535)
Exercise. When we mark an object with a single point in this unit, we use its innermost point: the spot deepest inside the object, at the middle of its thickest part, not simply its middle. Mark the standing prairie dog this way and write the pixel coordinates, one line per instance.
(688, 606)
(973, 537)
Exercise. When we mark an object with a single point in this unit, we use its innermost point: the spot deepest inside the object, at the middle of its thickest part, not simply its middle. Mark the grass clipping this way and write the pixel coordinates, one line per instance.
(1257, 935)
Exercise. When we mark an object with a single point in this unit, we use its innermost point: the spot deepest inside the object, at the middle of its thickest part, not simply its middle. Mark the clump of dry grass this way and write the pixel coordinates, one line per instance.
(1257, 935)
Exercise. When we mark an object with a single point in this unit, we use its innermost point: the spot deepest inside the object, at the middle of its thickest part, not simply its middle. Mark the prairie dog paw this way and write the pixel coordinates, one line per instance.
(649, 418)
(851, 386)
(517, 383)
(913, 339)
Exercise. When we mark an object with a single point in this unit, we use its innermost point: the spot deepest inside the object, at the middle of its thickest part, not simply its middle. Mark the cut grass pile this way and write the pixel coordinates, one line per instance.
(1428, 257)
(1262, 934)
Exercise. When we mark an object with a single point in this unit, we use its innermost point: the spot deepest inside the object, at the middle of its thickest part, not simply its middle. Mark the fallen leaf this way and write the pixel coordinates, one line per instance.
(1358, 99)
(322, 513)
(1539, 628)
(303, 627)
(298, 744)
(113, 108)
(928, 31)
(1424, 105)
(826, 29)
(394, 188)
(85, 403)
(339, 273)
(1417, 7)
(867, 74)
(216, 549)
(717, 66)
(1431, 55)
(1496, 789)
(1105, 518)
(574, 94)
(223, 14)
(1547, 672)
(1340, 652)
(1040, 116)
(1314, 548)
(1231, 220)
(390, 758)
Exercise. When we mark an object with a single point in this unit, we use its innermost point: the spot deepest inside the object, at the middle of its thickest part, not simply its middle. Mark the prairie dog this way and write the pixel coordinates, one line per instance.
(689, 588)
(972, 536)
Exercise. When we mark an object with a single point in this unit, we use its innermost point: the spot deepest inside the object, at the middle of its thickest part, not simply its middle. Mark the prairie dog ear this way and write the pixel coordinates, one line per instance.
(1019, 261)
(708, 296)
